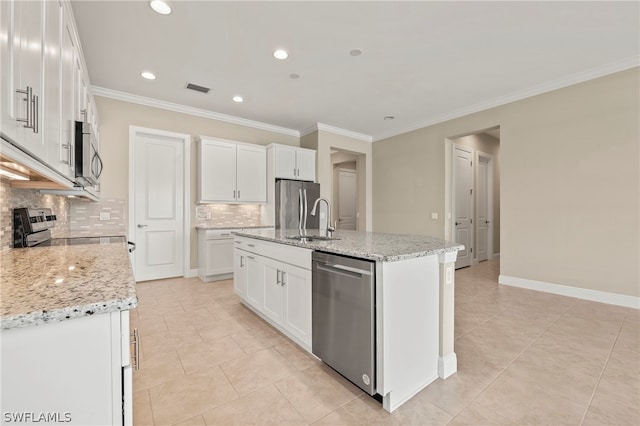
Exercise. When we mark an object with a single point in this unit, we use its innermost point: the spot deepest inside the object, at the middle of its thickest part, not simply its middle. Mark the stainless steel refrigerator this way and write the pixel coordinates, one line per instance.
(291, 198)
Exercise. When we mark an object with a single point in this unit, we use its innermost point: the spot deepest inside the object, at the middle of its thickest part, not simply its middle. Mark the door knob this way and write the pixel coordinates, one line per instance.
(486, 221)
(457, 223)
(142, 226)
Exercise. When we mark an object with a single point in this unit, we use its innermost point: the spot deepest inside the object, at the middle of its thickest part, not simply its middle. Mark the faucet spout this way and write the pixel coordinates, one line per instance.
(329, 229)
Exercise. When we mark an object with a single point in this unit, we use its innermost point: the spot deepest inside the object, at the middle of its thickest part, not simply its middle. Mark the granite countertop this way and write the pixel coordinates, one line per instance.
(49, 284)
(365, 245)
(206, 226)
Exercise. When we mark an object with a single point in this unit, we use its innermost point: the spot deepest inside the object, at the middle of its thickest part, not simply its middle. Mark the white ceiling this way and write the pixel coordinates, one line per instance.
(422, 62)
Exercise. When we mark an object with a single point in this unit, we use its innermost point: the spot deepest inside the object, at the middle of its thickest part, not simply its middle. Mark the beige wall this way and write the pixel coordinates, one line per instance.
(324, 142)
(570, 183)
(482, 142)
(117, 116)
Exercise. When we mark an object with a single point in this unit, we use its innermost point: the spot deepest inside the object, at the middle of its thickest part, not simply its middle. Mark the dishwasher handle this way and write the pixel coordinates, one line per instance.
(341, 268)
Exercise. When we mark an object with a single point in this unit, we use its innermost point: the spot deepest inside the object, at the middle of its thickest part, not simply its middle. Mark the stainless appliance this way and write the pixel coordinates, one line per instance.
(343, 317)
(32, 227)
(293, 200)
(87, 160)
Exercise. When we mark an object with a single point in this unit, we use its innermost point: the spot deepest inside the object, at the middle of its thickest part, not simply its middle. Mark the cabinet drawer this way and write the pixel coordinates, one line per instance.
(218, 234)
(296, 256)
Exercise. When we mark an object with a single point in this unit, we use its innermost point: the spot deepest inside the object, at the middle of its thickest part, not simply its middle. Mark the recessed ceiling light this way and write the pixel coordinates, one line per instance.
(294, 76)
(148, 75)
(161, 7)
(280, 54)
(389, 117)
(355, 52)
(238, 99)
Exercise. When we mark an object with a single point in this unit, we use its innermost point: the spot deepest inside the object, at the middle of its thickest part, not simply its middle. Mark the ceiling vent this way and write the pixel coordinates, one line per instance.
(198, 88)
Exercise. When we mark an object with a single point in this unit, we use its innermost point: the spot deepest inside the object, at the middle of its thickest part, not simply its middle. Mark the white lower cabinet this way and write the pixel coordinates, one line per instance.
(215, 255)
(76, 371)
(277, 279)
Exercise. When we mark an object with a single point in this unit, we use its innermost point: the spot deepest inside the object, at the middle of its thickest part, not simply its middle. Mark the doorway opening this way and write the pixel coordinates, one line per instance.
(473, 195)
(347, 189)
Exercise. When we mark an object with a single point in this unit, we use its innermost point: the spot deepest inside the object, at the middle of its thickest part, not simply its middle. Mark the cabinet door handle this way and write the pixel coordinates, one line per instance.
(27, 99)
(34, 105)
(135, 340)
(282, 280)
(241, 259)
(278, 277)
(238, 194)
(234, 194)
(250, 257)
(251, 245)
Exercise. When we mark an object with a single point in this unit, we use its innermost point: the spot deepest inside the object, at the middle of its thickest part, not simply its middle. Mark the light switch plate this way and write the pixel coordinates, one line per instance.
(105, 216)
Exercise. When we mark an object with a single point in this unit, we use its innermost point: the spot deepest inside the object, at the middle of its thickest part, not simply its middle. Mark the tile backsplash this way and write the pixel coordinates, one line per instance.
(11, 198)
(228, 214)
(85, 215)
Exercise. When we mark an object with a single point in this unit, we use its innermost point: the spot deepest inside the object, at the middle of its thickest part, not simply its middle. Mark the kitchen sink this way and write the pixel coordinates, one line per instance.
(312, 238)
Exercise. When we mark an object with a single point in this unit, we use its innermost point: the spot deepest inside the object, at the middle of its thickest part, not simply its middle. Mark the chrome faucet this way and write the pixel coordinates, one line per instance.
(330, 229)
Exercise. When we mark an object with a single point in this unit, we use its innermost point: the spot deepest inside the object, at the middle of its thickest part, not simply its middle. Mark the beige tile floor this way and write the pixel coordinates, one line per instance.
(524, 357)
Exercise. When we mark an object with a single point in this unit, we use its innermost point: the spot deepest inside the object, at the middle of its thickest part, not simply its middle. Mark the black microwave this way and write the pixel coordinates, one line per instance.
(88, 163)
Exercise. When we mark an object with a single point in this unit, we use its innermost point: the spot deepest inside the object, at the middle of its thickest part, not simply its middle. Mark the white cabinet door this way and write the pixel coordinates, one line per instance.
(240, 273)
(285, 162)
(273, 297)
(80, 92)
(251, 173)
(217, 171)
(51, 118)
(219, 256)
(255, 281)
(296, 283)
(22, 21)
(67, 110)
(306, 164)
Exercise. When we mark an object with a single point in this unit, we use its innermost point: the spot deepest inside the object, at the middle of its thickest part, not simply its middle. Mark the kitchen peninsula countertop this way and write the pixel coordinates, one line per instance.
(365, 245)
(48, 284)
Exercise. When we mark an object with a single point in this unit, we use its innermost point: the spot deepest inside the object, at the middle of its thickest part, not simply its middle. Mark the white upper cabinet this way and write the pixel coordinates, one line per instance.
(294, 163)
(216, 171)
(22, 35)
(44, 83)
(251, 173)
(230, 172)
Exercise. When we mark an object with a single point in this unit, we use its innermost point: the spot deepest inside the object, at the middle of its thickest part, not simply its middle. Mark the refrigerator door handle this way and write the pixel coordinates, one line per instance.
(301, 211)
(305, 211)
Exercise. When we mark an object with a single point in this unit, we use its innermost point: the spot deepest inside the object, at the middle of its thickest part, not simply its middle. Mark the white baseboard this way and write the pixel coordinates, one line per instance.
(447, 365)
(495, 256)
(192, 273)
(577, 292)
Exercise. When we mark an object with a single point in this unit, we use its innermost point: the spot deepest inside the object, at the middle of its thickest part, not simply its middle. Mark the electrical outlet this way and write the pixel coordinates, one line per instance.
(208, 215)
(105, 216)
(434, 216)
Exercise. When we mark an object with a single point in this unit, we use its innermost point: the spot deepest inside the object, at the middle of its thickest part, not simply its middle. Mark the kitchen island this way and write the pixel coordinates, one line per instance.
(414, 289)
(65, 334)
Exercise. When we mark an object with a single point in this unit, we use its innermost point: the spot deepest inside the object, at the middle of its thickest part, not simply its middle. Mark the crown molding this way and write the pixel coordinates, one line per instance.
(571, 80)
(337, 131)
(198, 112)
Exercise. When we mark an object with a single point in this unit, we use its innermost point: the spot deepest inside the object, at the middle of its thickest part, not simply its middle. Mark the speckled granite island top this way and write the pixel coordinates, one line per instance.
(365, 245)
(39, 285)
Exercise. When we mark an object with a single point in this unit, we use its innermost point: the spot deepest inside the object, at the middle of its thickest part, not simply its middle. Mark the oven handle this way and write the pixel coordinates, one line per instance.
(341, 269)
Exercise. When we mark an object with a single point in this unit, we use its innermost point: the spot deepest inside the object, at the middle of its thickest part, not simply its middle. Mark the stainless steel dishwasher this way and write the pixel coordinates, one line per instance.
(343, 312)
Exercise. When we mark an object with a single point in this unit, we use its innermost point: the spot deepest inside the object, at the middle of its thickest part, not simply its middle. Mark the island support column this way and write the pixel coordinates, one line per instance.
(447, 360)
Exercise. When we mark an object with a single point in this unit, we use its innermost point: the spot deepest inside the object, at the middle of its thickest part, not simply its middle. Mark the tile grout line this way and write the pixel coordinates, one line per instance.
(514, 359)
(604, 367)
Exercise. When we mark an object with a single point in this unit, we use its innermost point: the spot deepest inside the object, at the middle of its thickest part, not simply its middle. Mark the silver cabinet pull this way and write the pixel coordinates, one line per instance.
(241, 259)
(250, 257)
(142, 226)
(135, 340)
(27, 99)
(36, 118)
(278, 277)
(282, 279)
(251, 245)
(238, 194)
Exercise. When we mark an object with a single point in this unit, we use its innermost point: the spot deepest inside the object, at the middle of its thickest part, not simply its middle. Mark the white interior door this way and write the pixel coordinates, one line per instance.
(347, 198)
(482, 208)
(462, 207)
(159, 208)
